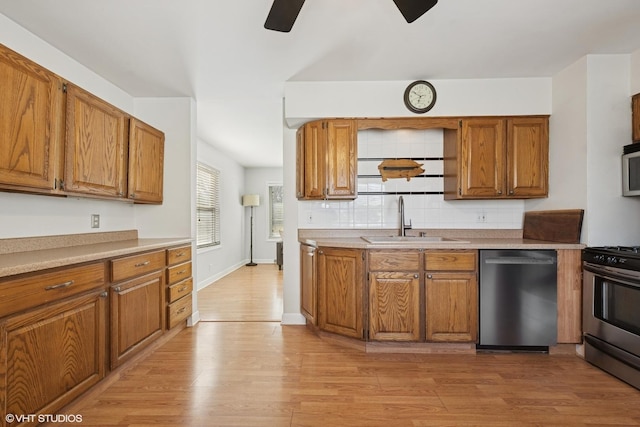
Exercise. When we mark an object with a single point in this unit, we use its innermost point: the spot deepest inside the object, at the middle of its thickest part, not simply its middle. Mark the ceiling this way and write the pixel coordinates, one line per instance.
(219, 53)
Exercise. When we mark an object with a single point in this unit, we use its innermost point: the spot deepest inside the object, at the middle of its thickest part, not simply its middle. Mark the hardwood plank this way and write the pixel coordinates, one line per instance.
(248, 373)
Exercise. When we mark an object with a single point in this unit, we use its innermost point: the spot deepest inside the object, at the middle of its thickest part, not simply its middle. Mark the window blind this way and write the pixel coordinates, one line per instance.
(208, 206)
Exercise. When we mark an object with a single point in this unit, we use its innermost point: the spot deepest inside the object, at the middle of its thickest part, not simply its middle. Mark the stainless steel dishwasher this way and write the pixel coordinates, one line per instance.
(518, 299)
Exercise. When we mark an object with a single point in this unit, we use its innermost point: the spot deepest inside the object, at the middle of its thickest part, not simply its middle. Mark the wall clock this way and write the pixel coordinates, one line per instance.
(420, 96)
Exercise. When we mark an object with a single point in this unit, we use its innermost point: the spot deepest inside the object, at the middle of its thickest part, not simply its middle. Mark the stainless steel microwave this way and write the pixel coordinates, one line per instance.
(631, 170)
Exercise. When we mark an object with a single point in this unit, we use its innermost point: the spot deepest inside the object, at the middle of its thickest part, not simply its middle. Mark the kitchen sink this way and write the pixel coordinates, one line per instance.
(411, 239)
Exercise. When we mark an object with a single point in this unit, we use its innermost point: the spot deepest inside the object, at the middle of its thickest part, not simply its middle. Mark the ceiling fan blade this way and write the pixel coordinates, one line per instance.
(414, 9)
(283, 14)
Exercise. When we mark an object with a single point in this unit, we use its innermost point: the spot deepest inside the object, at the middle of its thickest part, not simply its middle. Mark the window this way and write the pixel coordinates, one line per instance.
(276, 211)
(208, 206)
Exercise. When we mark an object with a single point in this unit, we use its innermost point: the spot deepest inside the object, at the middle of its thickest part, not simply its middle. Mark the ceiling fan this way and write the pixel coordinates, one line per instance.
(283, 13)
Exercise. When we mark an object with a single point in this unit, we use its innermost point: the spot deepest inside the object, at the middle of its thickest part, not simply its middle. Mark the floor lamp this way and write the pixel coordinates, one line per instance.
(251, 200)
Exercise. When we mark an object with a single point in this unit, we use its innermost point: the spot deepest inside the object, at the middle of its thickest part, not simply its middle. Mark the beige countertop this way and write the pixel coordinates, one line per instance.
(24, 255)
(464, 239)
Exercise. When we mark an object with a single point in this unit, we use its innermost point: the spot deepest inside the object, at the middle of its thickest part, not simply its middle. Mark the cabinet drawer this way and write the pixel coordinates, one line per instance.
(394, 260)
(450, 260)
(178, 272)
(136, 265)
(178, 311)
(180, 289)
(178, 255)
(27, 292)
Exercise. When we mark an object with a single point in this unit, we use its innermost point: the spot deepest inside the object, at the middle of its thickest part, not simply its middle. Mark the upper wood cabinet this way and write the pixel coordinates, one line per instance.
(146, 162)
(57, 138)
(327, 160)
(489, 158)
(31, 123)
(635, 109)
(96, 145)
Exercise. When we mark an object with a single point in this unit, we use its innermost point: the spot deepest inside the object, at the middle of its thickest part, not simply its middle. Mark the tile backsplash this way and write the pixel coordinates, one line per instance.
(379, 208)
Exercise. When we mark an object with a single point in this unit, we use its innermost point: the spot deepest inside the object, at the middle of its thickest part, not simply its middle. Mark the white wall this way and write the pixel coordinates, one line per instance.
(256, 182)
(635, 72)
(218, 261)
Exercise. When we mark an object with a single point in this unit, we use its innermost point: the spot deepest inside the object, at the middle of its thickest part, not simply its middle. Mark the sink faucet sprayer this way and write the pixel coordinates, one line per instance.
(403, 227)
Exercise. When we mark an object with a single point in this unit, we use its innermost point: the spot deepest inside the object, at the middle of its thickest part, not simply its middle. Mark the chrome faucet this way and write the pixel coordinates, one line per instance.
(403, 227)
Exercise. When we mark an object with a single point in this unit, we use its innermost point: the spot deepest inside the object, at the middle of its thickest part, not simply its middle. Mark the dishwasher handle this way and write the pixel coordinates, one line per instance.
(520, 260)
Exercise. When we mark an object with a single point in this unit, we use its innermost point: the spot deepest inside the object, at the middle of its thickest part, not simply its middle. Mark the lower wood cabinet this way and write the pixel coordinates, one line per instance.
(179, 285)
(51, 355)
(308, 284)
(451, 292)
(340, 291)
(394, 295)
(137, 308)
(137, 303)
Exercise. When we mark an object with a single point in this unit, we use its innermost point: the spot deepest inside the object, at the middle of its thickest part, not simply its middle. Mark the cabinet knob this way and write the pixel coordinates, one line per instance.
(117, 289)
(103, 294)
(511, 192)
(429, 276)
(500, 192)
(416, 276)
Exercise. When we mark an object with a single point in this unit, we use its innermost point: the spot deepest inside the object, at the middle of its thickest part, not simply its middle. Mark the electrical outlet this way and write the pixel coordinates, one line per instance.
(481, 217)
(309, 218)
(95, 221)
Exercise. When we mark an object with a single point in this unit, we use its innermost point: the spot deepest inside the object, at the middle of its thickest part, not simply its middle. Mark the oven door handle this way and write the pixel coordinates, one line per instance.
(614, 273)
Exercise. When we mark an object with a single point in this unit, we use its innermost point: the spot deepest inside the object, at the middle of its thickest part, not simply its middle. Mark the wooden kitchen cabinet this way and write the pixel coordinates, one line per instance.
(340, 291)
(137, 304)
(394, 295)
(179, 285)
(55, 350)
(635, 117)
(146, 163)
(451, 289)
(96, 146)
(327, 160)
(496, 157)
(31, 125)
(308, 284)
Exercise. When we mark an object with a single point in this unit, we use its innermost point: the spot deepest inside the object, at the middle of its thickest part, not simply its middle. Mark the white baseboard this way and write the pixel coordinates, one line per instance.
(293, 319)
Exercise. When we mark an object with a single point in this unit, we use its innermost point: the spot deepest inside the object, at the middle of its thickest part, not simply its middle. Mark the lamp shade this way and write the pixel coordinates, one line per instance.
(251, 200)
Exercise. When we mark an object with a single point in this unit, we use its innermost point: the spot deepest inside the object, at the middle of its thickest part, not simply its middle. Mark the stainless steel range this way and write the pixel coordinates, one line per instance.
(611, 310)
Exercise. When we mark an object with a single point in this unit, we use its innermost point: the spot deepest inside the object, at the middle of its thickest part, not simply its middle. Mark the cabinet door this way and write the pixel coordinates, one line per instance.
(635, 109)
(300, 163)
(451, 307)
(482, 153)
(314, 160)
(394, 306)
(137, 315)
(30, 124)
(308, 284)
(146, 163)
(95, 156)
(527, 157)
(340, 284)
(50, 356)
(341, 159)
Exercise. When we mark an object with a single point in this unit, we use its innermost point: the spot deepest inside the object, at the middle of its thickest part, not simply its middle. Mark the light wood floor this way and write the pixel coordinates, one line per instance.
(248, 373)
(248, 294)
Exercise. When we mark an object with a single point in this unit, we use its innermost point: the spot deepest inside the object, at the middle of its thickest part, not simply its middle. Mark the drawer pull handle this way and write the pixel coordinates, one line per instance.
(59, 285)
(182, 289)
(142, 264)
(180, 254)
(181, 272)
(181, 310)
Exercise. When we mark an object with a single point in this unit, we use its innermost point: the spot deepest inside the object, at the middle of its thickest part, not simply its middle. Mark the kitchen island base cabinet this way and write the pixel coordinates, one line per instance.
(340, 290)
(51, 355)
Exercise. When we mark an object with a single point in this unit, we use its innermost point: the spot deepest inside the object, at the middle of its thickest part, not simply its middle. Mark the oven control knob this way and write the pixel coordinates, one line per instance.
(612, 260)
